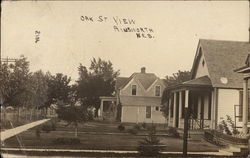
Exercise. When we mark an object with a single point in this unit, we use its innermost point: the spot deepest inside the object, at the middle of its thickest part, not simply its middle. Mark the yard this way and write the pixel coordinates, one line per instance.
(100, 135)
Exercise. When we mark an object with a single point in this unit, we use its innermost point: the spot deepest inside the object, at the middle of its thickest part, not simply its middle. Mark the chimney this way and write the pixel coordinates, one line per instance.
(143, 70)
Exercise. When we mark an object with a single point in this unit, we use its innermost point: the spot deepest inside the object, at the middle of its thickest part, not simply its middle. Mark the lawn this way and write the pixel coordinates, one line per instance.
(98, 137)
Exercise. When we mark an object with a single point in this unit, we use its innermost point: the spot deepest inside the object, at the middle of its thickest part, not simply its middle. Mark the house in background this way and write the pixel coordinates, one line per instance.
(137, 99)
(215, 89)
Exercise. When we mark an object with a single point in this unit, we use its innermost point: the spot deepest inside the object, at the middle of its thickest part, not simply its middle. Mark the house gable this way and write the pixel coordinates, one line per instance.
(127, 89)
(221, 59)
(200, 65)
(151, 90)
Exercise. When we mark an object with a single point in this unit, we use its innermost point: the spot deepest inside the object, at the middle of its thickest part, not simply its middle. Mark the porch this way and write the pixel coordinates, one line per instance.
(108, 108)
(195, 94)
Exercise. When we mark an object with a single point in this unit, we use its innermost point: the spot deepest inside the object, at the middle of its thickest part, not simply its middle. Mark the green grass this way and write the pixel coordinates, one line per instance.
(123, 141)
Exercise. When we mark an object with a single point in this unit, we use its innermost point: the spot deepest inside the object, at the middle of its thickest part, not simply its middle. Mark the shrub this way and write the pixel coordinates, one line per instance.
(151, 145)
(133, 131)
(144, 125)
(49, 127)
(173, 132)
(53, 126)
(38, 133)
(223, 127)
(46, 128)
(152, 127)
(68, 141)
(232, 125)
(121, 127)
(137, 127)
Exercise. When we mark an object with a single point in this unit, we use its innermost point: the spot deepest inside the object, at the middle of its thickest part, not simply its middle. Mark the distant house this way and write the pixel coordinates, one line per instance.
(137, 99)
(215, 89)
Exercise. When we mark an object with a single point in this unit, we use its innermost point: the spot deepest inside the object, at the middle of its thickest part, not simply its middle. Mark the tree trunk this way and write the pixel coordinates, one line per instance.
(18, 113)
(37, 112)
(76, 130)
(31, 114)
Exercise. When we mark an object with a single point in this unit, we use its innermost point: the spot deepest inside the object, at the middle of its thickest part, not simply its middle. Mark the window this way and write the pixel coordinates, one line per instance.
(157, 91)
(133, 89)
(157, 108)
(148, 111)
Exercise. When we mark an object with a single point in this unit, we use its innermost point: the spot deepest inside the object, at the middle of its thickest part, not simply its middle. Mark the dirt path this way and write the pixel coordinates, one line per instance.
(12, 132)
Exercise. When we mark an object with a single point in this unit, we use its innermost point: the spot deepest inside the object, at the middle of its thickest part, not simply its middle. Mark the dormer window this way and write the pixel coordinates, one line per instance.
(134, 87)
(157, 91)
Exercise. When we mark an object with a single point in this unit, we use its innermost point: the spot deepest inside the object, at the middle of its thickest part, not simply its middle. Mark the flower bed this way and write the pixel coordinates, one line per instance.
(221, 138)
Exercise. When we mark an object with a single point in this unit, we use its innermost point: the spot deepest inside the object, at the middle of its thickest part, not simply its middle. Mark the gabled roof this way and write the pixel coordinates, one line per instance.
(201, 81)
(222, 58)
(146, 80)
(120, 81)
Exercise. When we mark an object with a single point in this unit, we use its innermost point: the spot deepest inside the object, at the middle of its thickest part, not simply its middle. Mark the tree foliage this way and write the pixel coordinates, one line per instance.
(151, 145)
(178, 77)
(98, 81)
(58, 88)
(15, 83)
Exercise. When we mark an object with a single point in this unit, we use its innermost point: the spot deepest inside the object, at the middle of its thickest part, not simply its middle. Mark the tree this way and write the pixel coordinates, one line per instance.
(39, 89)
(151, 145)
(58, 88)
(16, 90)
(98, 81)
(177, 78)
(73, 115)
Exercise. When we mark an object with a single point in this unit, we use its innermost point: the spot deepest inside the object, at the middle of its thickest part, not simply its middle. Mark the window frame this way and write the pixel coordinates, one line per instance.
(133, 89)
(148, 115)
(159, 90)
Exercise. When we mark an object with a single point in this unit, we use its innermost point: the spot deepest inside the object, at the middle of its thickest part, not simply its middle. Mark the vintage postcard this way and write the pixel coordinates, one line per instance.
(125, 78)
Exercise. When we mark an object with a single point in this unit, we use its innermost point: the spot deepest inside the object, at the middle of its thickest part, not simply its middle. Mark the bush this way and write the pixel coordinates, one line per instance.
(144, 125)
(151, 145)
(38, 133)
(137, 127)
(121, 127)
(68, 141)
(46, 128)
(173, 132)
(49, 127)
(133, 131)
(152, 127)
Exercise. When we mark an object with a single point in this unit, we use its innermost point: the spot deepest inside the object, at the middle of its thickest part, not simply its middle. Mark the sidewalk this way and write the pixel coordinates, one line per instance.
(113, 151)
(12, 132)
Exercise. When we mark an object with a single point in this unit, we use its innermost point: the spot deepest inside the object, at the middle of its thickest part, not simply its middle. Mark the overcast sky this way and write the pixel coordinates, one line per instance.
(67, 39)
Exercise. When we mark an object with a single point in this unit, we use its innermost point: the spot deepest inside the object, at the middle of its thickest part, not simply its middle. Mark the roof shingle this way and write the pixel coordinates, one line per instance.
(222, 58)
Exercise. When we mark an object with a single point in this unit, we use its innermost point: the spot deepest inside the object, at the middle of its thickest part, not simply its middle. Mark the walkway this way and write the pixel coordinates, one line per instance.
(12, 132)
(221, 153)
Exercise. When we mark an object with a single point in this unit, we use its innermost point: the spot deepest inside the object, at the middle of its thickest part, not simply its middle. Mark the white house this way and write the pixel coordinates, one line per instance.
(215, 89)
(137, 99)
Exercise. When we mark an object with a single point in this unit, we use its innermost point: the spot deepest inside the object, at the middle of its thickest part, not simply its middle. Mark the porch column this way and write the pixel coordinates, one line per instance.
(180, 107)
(185, 134)
(169, 110)
(101, 109)
(174, 113)
(245, 106)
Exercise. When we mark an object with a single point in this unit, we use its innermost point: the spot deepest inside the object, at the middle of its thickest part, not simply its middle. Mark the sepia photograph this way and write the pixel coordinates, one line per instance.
(125, 79)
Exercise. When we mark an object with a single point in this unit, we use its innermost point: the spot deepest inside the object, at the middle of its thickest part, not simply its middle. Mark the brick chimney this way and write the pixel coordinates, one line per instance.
(143, 70)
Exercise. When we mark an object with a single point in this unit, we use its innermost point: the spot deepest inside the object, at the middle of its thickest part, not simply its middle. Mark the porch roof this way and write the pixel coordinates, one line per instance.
(140, 100)
(108, 98)
(201, 82)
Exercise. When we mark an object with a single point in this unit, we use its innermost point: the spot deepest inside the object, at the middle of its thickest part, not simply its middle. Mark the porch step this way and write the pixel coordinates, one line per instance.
(236, 151)
(192, 134)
